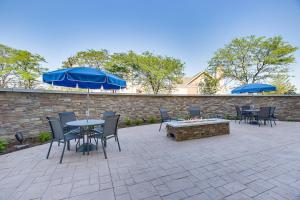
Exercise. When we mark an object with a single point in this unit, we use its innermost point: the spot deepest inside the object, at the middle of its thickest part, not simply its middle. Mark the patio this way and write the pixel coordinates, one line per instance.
(251, 163)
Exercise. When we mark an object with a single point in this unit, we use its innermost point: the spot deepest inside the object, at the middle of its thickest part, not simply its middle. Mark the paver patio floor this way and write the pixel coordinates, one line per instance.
(251, 163)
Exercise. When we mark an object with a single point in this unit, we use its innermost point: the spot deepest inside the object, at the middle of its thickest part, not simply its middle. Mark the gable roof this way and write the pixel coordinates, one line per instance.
(197, 76)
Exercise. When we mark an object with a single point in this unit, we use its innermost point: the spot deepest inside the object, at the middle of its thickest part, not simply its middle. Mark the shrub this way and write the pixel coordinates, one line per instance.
(44, 137)
(127, 121)
(3, 144)
(289, 119)
(152, 120)
(138, 122)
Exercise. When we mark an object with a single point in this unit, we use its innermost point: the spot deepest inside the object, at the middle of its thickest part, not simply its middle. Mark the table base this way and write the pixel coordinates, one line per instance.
(86, 147)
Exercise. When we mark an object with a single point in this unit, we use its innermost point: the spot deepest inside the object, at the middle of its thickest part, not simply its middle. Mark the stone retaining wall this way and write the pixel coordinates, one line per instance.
(25, 110)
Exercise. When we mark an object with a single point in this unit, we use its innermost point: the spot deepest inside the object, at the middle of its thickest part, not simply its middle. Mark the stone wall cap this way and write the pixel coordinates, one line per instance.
(19, 90)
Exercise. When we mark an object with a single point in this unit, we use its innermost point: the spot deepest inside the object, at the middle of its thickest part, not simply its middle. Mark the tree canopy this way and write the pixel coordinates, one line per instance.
(283, 85)
(19, 68)
(90, 58)
(209, 85)
(253, 59)
(154, 72)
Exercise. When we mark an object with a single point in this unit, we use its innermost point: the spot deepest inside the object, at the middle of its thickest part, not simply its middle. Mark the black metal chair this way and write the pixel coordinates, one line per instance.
(104, 116)
(58, 135)
(264, 114)
(165, 117)
(194, 111)
(110, 130)
(273, 116)
(239, 115)
(66, 117)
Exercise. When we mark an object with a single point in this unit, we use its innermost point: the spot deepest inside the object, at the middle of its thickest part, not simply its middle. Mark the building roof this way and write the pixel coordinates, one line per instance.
(197, 76)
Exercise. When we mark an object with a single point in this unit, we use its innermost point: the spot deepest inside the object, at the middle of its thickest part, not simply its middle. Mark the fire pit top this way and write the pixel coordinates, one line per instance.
(196, 122)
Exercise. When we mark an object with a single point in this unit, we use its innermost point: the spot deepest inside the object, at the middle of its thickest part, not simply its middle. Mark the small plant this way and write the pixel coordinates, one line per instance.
(127, 121)
(289, 119)
(44, 137)
(152, 120)
(3, 144)
(138, 122)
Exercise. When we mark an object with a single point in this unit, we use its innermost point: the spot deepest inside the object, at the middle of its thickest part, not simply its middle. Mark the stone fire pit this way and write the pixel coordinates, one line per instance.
(195, 129)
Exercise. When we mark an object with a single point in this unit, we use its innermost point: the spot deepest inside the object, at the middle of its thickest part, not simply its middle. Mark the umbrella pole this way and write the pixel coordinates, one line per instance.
(88, 102)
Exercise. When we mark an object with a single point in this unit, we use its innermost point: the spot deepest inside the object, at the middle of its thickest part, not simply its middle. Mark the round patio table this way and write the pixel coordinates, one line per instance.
(87, 125)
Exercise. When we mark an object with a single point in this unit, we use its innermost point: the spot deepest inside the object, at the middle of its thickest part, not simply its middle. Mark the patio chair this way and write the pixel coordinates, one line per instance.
(239, 115)
(194, 111)
(165, 117)
(104, 116)
(66, 117)
(273, 116)
(110, 130)
(58, 135)
(264, 114)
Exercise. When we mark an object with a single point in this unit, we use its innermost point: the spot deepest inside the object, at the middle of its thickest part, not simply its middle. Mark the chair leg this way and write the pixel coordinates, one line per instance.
(103, 149)
(271, 123)
(96, 144)
(117, 139)
(88, 144)
(77, 144)
(160, 126)
(49, 149)
(68, 145)
(62, 154)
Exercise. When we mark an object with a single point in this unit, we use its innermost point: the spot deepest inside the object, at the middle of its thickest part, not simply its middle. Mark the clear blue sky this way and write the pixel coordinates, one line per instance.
(191, 30)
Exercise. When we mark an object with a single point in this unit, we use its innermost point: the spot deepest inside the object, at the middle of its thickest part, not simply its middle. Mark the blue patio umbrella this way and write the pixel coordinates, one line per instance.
(254, 88)
(84, 77)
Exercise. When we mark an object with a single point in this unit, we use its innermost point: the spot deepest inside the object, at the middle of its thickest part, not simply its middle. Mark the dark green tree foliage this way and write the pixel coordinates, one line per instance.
(253, 59)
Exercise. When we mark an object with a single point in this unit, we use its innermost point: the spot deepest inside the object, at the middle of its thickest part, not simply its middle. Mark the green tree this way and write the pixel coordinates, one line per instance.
(6, 65)
(124, 65)
(283, 85)
(19, 67)
(155, 73)
(209, 85)
(92, 58)
(253, 59)
(28, 68)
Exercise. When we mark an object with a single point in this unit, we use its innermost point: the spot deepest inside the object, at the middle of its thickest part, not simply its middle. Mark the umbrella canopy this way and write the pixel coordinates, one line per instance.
(84, 77)
(254, 88)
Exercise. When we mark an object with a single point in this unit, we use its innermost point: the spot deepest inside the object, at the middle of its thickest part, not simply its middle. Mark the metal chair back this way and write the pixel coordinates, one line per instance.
(238, 110)
(56, 128)
(164, 115)
(108, 114)
(194, 111)
(264, 112)
(110, 126)
(66, 117)
(272, 111)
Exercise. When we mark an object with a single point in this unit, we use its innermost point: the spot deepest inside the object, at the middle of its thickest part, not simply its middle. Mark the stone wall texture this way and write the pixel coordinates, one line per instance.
(26, 111)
